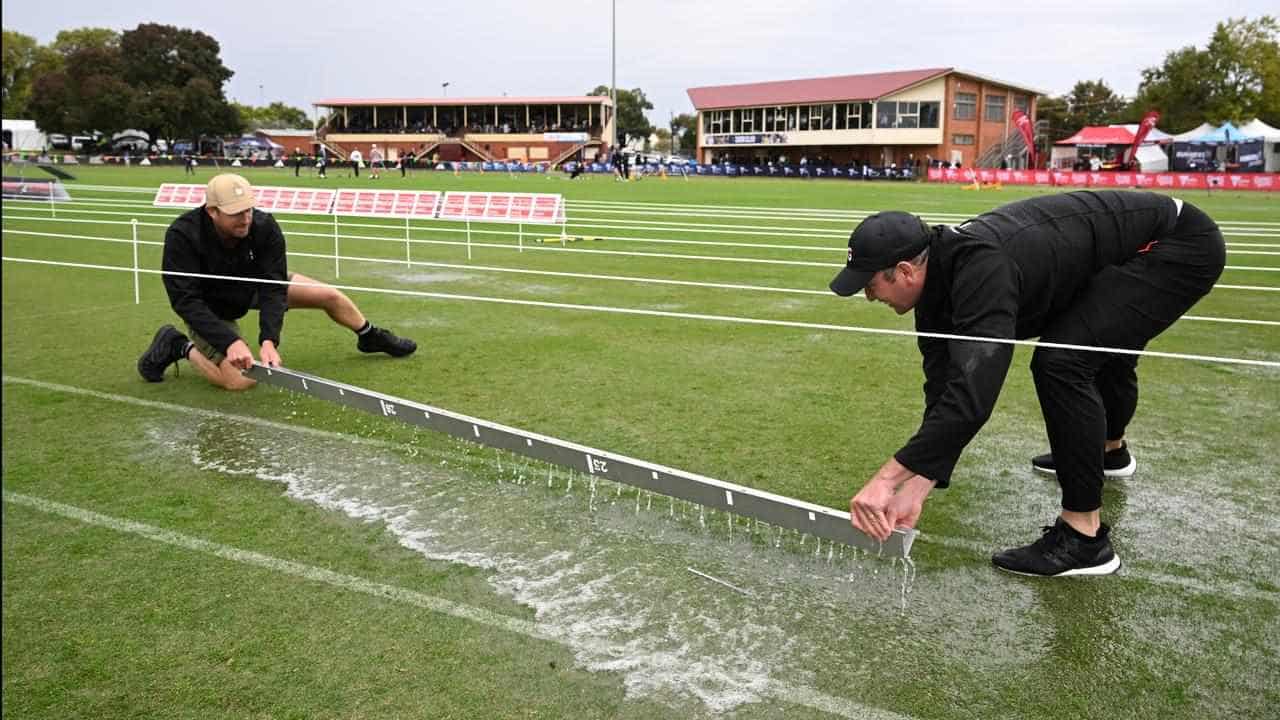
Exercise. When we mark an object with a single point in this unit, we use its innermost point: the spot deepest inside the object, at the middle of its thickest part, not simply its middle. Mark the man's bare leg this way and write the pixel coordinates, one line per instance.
(307, 293)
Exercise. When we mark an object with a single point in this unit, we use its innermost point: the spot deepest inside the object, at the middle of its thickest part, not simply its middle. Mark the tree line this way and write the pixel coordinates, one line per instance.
(168, 82)
(163, 80)
(1236, 78)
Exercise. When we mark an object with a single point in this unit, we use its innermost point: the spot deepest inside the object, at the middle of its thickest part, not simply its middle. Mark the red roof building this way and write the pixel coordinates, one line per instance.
(906, 117)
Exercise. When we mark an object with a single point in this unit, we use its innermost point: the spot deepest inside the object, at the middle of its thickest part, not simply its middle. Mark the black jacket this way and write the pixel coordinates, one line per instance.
(191, 245)
(1007, 274)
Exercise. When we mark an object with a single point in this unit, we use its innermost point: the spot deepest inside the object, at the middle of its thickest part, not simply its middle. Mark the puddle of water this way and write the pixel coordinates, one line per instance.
(614, 582)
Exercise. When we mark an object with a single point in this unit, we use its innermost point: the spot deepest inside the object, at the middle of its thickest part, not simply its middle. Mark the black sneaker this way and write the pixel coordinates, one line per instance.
(165, 350)
(1118, 463)
(1061, 551)
(380, 340)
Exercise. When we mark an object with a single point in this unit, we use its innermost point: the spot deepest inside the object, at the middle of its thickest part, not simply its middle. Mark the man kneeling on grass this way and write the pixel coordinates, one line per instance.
(229, 239)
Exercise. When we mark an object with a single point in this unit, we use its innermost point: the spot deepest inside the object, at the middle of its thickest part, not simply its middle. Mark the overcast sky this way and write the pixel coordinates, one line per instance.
(300, 51)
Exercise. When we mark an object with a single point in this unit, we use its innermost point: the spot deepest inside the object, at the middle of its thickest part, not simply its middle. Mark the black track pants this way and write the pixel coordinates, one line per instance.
(1087, 397)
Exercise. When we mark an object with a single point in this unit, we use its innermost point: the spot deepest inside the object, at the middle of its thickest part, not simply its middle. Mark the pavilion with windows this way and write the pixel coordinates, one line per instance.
(549, 130)
(905, 118)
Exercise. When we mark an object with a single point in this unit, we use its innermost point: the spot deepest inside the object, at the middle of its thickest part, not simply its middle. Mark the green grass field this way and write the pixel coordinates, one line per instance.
(172, 550)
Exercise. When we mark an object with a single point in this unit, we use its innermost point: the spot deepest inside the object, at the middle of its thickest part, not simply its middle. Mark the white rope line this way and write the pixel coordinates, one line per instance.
(554, 247)
(669, 314)
(640, 225)
(552, 273)
(649, 207)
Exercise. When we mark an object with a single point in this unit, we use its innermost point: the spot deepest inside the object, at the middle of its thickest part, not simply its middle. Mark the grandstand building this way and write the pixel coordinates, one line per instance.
(907, 118)
(532, 129)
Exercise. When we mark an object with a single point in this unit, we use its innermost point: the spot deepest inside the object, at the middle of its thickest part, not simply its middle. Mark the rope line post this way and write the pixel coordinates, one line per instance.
(408, 261)
(53, 208)
(468, 239)
(337, 270)
(520, 230)
(137, 293)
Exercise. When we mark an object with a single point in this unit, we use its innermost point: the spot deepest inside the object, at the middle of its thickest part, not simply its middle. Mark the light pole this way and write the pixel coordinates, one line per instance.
(444, 87)
(262, 96)
(613, 82)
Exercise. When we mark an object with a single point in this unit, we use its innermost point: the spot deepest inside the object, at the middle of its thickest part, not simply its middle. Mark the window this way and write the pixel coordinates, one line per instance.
(791, 118)
(757, 117)
(717, 121)
(966, 106)
(1023, 103)
(804, 117)
(961, 139)
(779, 120)
(995, 108)
(842, 113)
(746, 121)
(821, 117)
(886, 114)
(908, 115)
(929, 114)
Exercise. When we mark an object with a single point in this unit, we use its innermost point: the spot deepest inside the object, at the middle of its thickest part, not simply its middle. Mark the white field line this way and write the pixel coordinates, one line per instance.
(684, 227)
(954, 543)
(652, 208)
(576, 276)
(674, 315)
(552, 247)
(756, 212)
(787, 692)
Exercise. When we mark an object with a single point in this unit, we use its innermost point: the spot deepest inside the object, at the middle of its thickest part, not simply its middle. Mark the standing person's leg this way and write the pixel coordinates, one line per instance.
(305, 292)
(1117, 382)
(1124, 306)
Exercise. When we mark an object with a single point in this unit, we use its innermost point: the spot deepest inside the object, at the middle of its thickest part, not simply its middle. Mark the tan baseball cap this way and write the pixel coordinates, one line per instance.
(229, 193)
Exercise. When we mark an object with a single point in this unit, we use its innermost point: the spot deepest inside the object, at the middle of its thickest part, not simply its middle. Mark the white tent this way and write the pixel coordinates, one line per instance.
(1152, 158)
(1194, 132)
(23, 135)
(1270, 136)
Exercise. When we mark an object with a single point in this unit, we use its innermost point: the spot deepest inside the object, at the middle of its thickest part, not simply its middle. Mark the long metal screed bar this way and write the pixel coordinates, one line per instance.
(776, 510)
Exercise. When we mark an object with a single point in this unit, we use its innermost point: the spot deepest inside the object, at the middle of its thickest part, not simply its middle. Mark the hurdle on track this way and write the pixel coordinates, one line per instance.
(776, 510)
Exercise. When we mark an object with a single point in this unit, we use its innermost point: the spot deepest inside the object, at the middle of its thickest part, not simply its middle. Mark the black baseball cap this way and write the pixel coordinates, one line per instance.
(880, 242)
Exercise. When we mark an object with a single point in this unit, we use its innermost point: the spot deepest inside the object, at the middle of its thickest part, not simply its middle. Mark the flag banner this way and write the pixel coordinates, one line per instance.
(1148, 121)
(1024, 126)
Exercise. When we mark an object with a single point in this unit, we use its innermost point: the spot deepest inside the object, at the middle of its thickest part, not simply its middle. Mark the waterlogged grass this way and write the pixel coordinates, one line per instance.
(104, 623)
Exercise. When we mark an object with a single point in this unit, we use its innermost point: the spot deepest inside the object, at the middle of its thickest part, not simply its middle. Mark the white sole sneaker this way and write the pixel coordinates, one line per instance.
(1107, 568)
(1125, 472)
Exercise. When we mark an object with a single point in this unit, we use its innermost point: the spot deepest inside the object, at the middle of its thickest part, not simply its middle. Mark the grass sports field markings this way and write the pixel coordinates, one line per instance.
(978, 549)
(507, 246)
(786, 692)
(593, 276)
(676, 315)
(837, 244)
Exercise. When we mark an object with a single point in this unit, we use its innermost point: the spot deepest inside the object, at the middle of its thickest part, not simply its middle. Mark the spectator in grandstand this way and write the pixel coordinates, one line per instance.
(375, 162)
(1105, 269)
(228, 237)
(357, 159)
